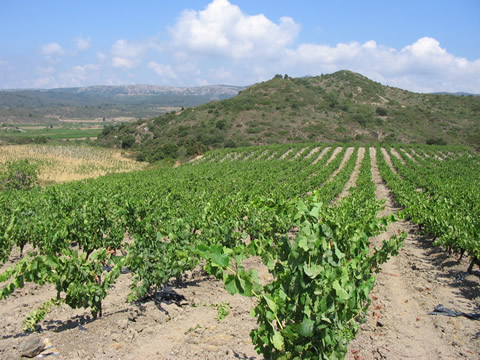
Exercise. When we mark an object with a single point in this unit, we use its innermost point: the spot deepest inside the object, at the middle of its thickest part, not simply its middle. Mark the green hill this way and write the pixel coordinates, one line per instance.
(343, 106)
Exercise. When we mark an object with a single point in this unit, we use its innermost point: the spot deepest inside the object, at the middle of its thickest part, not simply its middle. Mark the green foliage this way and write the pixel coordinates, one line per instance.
(19, 175)
(230, 143)
(381, 111)
(223, 309)
(435, 141)
(37, 315)
(220, 124)
(128, 141)
(79, 277)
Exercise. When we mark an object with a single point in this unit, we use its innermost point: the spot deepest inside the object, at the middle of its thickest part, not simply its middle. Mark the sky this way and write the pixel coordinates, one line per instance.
(420, 45)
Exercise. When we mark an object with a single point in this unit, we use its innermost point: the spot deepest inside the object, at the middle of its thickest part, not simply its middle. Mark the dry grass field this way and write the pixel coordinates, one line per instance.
(58, 163)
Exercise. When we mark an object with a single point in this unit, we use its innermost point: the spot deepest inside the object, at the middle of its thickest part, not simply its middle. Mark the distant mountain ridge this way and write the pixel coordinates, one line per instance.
(215, 92)
(133, 101)
(458, 93)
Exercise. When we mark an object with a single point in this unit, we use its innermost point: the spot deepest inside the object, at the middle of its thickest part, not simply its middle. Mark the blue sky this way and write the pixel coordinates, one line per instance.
(416, 45)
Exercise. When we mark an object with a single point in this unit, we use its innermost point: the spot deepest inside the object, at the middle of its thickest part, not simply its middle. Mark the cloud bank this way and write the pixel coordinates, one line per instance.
(223, 44)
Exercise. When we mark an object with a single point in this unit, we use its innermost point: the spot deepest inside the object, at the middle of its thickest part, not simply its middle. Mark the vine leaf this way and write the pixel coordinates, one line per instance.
(277, 340)
(306, 327)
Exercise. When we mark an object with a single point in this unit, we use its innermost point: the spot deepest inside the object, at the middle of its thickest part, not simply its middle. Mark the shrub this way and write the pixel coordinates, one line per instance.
(20, 175)
(230, 143)
(381, 111)
(128, 141)
(436, 141)
(220, 124)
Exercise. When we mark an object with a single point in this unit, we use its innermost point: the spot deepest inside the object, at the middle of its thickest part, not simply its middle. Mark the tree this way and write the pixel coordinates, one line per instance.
(20, 175)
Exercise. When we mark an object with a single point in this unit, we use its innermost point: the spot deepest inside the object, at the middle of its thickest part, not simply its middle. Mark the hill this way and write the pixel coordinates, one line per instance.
(134, 101)
(343, 106)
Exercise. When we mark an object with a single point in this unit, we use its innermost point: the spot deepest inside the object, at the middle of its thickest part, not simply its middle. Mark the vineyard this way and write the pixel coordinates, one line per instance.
(295, 234)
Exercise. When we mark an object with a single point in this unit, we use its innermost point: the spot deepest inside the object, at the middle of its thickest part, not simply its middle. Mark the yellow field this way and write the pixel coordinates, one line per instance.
(67, 163)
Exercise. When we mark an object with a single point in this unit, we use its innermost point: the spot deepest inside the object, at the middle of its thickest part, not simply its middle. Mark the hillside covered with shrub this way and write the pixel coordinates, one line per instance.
(339, 107)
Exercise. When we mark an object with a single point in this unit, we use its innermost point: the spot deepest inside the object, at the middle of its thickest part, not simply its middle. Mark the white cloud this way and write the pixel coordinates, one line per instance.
(79, 75)
(101, 57)
(52, 48)
(82, 43)
(123, 62)
(162, 70)
(222, 75)
(44, 82)
(223, 29)
(45, 70)
(128, 54)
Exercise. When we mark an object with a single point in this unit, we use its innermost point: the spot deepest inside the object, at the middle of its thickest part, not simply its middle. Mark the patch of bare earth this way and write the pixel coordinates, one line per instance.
(285, 154)
(353, 178)
(226, 157)
(334, 155)
(397, 155)
(348, 154)
(249, 155)
(298, 153)
(407, 154)
(313, 151)
(264, 152)
(415, 153)
(196, 158)
(322, 154)
(272, 155)
(408, 287)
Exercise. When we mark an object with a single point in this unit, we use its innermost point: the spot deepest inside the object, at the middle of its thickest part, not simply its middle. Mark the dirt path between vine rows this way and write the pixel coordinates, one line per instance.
(346, 157)
(408, 287)
(321, 155)
(352, 182)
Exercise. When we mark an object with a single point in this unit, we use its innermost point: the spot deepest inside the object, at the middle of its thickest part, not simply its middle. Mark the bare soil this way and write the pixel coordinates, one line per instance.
(397, 325)
(321, 155)
(346, 156)
(313, 151)
(353, 178)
